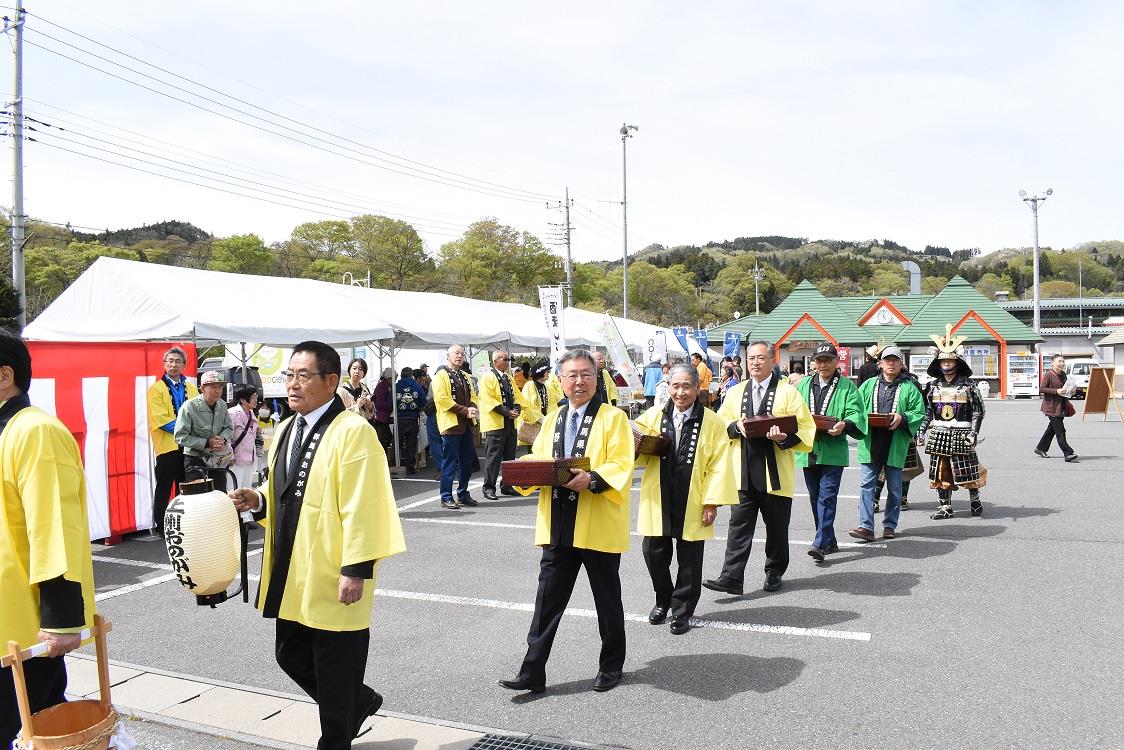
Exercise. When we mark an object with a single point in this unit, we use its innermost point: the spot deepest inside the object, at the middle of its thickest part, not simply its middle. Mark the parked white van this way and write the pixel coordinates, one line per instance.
(1077, 373)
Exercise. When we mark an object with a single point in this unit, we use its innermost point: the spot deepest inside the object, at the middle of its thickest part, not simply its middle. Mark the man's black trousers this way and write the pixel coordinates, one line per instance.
(682, 596)
(776, 511)
(499, 445)
(558, 571)
(169, 471)
(329, 666)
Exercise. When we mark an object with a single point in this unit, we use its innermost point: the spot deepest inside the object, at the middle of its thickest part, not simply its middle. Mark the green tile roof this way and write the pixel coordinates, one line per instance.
(806, 298)
(743, 325)
(951, 304)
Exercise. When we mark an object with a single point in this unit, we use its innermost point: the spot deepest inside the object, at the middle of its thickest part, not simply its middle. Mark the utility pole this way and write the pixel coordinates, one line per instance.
(19, 227)
(625, 135)
(758, 274)
(1032, 202)
(567, 229)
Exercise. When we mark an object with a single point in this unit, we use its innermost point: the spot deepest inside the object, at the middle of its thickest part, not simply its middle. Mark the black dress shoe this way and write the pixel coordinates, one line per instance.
(816, 553)
(725, 585)
(680, 625)
(772, 582)
(468, 501)
(509, 491)
(833, 547)
(372, 709)
(605, 681)
(525, 683)
(657, 615)
(489, 494)
(1042, 453)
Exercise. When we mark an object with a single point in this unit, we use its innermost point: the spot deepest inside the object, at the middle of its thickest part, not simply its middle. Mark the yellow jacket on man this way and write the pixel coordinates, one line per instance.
(712, 480)
(443, 400)
(348, 516)
(491, 397)
(44, 532)
(602, 522)
(161, 411)
(610, 387)
(787, 401)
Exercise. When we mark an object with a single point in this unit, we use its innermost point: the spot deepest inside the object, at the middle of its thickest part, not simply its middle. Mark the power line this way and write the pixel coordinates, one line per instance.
(239, 165)
(454, 180)
(225, 75)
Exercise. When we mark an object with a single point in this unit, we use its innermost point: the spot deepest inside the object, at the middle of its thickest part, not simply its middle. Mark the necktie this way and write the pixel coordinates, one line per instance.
(295, 449)
(758, 397)
(679, 418)
(572, 433)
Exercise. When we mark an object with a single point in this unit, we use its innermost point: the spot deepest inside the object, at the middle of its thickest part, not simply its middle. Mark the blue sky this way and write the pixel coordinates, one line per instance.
(913, 121)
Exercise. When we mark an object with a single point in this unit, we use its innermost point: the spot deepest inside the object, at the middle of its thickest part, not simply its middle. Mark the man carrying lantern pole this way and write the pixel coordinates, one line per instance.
(331, 458)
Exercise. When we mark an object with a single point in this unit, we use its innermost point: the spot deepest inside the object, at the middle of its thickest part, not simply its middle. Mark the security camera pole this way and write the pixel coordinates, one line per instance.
(1032, 201)
(625, 135)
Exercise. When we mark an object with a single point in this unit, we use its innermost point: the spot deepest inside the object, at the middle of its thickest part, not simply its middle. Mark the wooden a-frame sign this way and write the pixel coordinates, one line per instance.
(1099, 394)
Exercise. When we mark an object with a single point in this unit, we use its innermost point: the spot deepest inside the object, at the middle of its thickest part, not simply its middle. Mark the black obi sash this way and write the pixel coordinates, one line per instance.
(758, 455)
(11, 407)
(564, 502)
(288, 500)
(677, 466)
(540, 388)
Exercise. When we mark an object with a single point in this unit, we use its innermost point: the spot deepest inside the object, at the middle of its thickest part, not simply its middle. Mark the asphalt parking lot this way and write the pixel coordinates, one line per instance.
(1000, 631)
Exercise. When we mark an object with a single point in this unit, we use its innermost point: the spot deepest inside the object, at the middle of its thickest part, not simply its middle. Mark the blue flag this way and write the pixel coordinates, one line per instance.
(700, 338)
(680, 333)
(733, 344)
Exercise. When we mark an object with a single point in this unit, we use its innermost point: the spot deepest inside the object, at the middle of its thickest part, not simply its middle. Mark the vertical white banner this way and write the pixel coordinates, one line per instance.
(143, 480)
(614, 344)
(95, 409)
(657, 348)
(550, 299)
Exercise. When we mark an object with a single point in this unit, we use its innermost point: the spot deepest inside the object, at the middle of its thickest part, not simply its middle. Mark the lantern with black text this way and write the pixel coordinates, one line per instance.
(205, 541)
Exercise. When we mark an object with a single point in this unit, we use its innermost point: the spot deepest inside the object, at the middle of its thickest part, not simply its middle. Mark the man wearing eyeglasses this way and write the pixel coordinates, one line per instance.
(453, 399)
(500, 405)
(165, 398)
(330, 516)
(584, 523)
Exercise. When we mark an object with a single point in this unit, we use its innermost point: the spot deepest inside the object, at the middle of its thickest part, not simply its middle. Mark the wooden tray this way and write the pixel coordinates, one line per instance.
(649, 445)
(756, 427)
(881, 421)
(541, 472)
(824, 422)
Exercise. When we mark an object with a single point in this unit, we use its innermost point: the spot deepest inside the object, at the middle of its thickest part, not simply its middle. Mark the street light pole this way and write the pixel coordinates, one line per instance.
(18, 226)
(757, 276)
(1032, 201)
(625, 135)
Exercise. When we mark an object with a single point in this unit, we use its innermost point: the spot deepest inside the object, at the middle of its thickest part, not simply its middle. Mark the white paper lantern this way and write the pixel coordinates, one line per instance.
(201, 530)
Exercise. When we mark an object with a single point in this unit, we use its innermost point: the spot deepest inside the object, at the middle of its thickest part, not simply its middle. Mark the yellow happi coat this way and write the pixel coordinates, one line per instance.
(491, 397)
(44, 532)
(444, 402)
(602, 521)
(787, 401)
(161, 411)
(348, 517)
(712, 480)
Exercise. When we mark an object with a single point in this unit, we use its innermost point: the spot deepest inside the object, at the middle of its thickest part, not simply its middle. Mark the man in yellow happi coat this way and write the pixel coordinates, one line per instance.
(46, 573)
(500, 405)
(165, 397)
(330, 516)
(764, 469)
(680, 493)
(542, 394)
(584, 523)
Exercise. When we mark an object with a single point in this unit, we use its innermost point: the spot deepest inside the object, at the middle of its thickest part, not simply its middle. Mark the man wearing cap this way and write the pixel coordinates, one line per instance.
(204, 430)
(883, 449)
(828, 393)
(763, 468)
(500, 405)
(165, 399)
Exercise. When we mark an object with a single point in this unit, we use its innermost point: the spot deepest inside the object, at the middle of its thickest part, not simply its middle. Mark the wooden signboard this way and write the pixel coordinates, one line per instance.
(1099, 393)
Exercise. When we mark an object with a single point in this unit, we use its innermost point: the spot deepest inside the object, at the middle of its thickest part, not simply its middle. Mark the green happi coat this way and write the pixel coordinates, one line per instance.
(845, 405)
(911, 405)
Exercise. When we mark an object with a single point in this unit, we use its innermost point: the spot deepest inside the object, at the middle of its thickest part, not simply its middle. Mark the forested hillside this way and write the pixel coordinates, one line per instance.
(668, 285)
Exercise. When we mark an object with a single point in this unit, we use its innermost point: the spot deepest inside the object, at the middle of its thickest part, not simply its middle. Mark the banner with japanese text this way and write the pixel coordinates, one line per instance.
(550, 300)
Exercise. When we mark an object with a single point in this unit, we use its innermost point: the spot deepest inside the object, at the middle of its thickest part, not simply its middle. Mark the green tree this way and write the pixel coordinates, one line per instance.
(242, 253)
(392, 252)
(990, 283)
(314, 250)
(9, 305)
(497, 262)
(933, 284)
(1058, 289)
(735, 284)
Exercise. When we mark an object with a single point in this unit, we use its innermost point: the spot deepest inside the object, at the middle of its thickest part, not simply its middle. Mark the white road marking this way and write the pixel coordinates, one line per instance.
(122, 590)
(134, 563)
(698, 622)
(495, 525)
(472, 485)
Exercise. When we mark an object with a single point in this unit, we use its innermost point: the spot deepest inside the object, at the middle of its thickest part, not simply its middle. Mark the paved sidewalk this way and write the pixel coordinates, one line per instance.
(257, 716)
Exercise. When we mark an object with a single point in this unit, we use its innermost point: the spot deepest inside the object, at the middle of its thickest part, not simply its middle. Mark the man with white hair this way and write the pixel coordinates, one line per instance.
(500, 405)
(606, 388)
(165, 398)
(454, 401)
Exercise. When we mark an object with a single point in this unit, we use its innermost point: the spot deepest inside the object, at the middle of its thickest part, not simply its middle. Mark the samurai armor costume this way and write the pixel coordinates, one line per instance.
(953, 415)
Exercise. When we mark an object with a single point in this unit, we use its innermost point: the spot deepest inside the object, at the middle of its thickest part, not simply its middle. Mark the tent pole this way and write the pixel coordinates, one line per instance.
(394, 411)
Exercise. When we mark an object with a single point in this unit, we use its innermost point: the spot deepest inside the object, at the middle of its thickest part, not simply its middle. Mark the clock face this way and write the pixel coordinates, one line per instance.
(884, 316)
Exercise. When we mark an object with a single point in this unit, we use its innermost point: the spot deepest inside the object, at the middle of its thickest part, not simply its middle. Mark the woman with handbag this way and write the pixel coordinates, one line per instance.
(247, 431)
(353, 391)
(1056, 407)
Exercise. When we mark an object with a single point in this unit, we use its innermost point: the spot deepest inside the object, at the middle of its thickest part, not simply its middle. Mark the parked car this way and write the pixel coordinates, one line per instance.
(232, 377)
(1077, 372)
